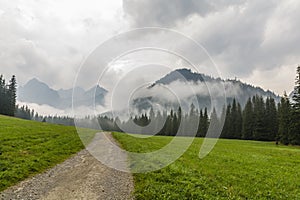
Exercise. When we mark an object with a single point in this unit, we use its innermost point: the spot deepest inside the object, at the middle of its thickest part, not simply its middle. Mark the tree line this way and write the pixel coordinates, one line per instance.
(289, 116)
(8, 106)
(24, 112)
(260, 119)
(8, 96)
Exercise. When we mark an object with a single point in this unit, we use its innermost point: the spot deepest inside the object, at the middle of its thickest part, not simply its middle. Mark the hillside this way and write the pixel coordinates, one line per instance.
(190, 87)
(28, 147)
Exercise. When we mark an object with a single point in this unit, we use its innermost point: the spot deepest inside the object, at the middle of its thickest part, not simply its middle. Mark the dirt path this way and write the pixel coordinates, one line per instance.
(80, 177)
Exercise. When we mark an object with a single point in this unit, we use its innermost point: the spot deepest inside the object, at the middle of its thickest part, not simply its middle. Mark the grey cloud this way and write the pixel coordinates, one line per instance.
(145, 13)
(46, 40)
(241, 36)
(250, 42)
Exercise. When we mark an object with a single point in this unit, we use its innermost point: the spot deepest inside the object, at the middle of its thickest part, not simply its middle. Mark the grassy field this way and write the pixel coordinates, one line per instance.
(28, 147)
(235, 169)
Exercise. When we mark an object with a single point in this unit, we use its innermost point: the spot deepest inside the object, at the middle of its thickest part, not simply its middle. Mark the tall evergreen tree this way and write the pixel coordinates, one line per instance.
(239, 122)
(8, 96)
(205, 121)
(200, 125)
(193, 120)
(234, 113)
(2, 94)
(295, 115)
(226, 131)
(259, 116)
(247, 130)
(271, 122)
(284, 115)
(169, 125)
(12, 95)
(179, 124)
(214, 124)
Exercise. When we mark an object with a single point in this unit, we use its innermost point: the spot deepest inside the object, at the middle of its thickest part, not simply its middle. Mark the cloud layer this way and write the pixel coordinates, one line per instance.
(255, 41)
(242, 37)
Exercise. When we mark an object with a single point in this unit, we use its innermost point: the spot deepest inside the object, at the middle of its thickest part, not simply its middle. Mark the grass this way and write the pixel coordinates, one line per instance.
(235, 169)
(29, 147)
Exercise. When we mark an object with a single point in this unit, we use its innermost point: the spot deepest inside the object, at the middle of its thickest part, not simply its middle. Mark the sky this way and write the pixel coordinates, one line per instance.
(252, 40)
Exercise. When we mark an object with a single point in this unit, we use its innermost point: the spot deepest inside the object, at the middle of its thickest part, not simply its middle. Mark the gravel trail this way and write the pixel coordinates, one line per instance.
(80, 177)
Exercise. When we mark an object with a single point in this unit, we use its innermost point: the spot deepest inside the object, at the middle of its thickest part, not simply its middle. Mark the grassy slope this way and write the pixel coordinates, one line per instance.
(29, 147)
(233, 170)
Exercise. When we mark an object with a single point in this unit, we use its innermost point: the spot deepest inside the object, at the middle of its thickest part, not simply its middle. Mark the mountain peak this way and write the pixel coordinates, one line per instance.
(183, 75)
(35, 91)
(36, 84)
(34, 81)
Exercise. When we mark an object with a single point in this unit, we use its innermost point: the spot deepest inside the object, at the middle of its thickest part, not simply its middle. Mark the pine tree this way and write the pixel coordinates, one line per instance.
(226, 131)
(169, 125)
(200, 125)
(2, 94)
(223, 118)
(259, 116)
(284, 114)
(239, 122)
(247, 130)
(12, 90)
(8, 96)
(296, 96)
(179, 124)
(205, 122)
(295, 115)
(214, 126)
(233, 123)
(175, 124)
(159, 123)
(271, 126)
(193, 120)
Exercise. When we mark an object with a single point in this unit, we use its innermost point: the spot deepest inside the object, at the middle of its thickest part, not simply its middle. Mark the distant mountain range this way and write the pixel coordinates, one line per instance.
(203, 86)
(35, 91)
(180, 81)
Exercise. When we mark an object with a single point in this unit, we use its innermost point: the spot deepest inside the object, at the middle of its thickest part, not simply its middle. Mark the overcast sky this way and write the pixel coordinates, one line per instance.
(255, 41)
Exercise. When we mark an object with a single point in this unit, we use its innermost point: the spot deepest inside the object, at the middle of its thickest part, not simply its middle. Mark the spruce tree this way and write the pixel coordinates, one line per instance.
(259, 118)
(239, 122)
(179, 125)
(2, 94)
(235, 121)
(214, 124)
(284, 115)
(272, 126)
(247, 130)
(169, 125)
(12, 90)
(200, 125)
(226, 131)
(205, 121)
(295, 115)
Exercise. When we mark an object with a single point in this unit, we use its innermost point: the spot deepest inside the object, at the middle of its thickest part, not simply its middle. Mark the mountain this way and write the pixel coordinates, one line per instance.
(35, 91)
(181, 85)
(94, 96)
(181, 75)
(185, 83)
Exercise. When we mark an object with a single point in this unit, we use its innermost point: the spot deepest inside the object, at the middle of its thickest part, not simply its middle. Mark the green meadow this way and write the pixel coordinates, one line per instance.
(28, 147)
(234, 169)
